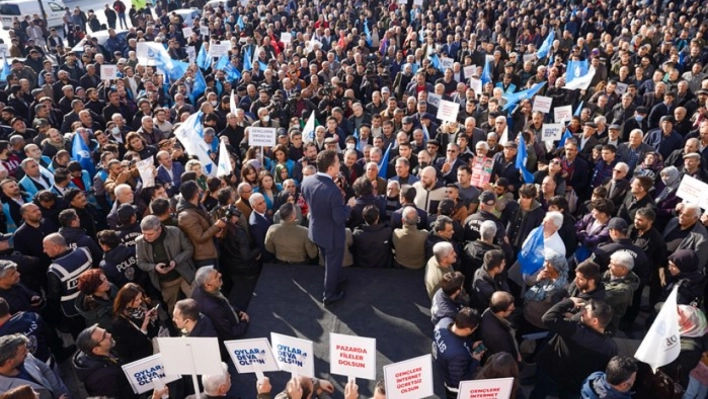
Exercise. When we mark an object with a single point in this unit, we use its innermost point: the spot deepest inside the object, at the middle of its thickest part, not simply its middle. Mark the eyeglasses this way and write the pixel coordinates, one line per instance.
(452, 151)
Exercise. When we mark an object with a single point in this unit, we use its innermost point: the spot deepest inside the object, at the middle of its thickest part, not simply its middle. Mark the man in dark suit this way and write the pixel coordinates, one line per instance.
(169, 172)
(328, 216)
(576, 170)
(258, 223)
(588, 140)
(448, 165)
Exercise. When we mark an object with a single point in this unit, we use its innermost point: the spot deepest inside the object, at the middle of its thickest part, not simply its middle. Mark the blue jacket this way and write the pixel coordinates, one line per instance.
(171, 184)
(452, 354)
(328, 212)
(596, 387)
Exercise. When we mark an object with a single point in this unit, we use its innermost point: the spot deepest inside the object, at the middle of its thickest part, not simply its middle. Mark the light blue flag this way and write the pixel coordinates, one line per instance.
(486, 73)
(383, 165)
(203, 60)
(232, 73)
(247, 61)
(80, 152)
(567, 135)
(176, 69)
(435, 62)
(367, 32)
(421, 34)
(575, 70)
(546, 45)
(198, 88)
(579, 109)
(221, 62)
(240, 23)
(262, 66)
(521, 157)
(4, 69)
(513, 98)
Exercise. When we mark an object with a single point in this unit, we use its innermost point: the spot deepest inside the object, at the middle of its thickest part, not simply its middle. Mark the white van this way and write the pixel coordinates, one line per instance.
(54, 10)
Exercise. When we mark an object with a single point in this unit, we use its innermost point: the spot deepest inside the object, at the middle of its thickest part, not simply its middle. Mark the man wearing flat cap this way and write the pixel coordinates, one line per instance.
(588, 140)
(664, 139)
(692, 167)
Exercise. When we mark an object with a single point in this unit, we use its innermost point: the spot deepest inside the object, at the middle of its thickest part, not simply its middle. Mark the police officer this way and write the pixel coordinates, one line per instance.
(63, 275)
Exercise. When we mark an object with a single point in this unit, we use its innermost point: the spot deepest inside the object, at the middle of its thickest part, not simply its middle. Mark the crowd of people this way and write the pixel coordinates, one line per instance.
(536, 253)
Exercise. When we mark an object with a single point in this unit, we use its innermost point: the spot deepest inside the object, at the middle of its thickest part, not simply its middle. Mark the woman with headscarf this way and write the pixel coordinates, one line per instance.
(666, 199)
(683, 271)
(692, 330)
(539, 297)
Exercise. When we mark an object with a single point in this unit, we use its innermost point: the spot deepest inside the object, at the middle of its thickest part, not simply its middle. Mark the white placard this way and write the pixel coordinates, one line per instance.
(141, 373)
(186, 32)
(286, 37)
(543, 104)
(252, 355)
(448, 110)
(446, 62)
(216, 50)
(529, 57)
(146, 167)
(204, 30)
(434, 99)
(109, 72)
(409, 379)
(293, 354)
(563, 114)
(418, 2)
(497, 388)
(352, 356)
(470, 71)
(552, 131)
(476, 85)
(4, 49)
(402, 1)
(261, 136)
(190, 355)
(621, 88)
(693, 191)
(192, 54)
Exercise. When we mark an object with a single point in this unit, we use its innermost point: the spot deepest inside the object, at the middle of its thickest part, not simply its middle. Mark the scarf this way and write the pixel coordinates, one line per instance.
(693, 321)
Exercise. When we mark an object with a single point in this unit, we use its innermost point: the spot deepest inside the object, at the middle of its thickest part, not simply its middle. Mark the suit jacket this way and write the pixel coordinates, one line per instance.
(451, 176)
(46, 382)
(328, 212)
(620, 192)
(258, 227)
(586, 151)
(172, 184)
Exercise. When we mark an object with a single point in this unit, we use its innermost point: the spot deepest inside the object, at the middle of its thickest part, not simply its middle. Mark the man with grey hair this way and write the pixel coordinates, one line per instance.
(288, 240)
(444, 256)
(124, 194)
(244, 191)
(474, 251)
(97, 367)
(228, 320)
(620, 284)
(218, 385)
(552, 222)
(686, 232)
(18, 367)
(165, 253)
(409, 242)
(258, 224)
(35, 178)
(62, 279)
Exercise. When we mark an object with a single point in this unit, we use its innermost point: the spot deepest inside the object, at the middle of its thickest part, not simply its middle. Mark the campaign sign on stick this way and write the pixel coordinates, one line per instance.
(217, 49)
(448, 110)
(542, 104)
(434, 99)
(552, 131)
(252, 355)
(204, 30)
(693, 191)
(190, 355)
(141, 373)
(563, 114)
(352, 356)
(470, 70)
(476, 85)
(109, 72)
(286, 37)
(294, 354)
(261, 136)
(446, 62)
(186, 31)
(497, 388)
(410, 379)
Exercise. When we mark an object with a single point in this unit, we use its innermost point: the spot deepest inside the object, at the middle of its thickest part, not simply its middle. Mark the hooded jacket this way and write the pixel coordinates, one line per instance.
(102, 313)
(597, 387)
(198, 226)
(102, 376)
(618, 294)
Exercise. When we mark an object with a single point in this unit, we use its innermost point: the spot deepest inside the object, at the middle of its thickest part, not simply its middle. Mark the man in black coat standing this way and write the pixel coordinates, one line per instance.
(497, 332)
(229, 321)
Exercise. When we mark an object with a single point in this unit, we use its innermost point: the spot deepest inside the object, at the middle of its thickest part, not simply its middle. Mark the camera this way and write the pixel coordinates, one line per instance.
(230, 211)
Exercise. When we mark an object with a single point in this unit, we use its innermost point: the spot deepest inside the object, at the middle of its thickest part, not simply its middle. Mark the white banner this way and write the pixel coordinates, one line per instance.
(146, 167)
(448, 110)
(252, 355)
(261, 136)
(552, 131)
(409, 379)
(141, 373)
(497, 388)
(434, 99)
(109, 72)
(542, 104)
(693, 191)
(216, 50)
(352, 356)
(293, 354)
(446, 62)
(470, 71)
(286, 37)
(563, 114)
